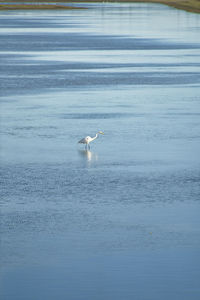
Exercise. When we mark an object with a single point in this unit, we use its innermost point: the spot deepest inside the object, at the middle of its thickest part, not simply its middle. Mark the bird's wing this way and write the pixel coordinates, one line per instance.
(83, 141)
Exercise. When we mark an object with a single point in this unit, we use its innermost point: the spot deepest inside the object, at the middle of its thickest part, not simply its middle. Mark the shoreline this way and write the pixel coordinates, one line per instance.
(190, 5)
(36, 6)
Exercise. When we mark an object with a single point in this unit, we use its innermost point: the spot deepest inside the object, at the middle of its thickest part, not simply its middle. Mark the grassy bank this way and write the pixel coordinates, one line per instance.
(188, 5)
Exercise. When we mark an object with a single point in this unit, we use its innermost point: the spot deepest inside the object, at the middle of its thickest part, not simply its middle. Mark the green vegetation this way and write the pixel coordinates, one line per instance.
(188, 5)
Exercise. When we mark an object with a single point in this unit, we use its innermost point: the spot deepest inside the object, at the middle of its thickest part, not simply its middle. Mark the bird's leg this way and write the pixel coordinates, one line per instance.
(89, 146)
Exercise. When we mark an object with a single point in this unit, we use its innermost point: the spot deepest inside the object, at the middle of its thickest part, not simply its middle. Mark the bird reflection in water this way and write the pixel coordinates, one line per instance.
(88, 155)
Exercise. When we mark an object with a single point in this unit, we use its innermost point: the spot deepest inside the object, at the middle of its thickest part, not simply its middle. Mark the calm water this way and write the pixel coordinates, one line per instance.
(121, 221)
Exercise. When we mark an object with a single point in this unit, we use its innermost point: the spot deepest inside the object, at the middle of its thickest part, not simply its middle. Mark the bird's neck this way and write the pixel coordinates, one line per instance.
(95, 136)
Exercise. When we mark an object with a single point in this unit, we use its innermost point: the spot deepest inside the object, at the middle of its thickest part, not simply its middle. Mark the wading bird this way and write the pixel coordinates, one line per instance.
(89, 139)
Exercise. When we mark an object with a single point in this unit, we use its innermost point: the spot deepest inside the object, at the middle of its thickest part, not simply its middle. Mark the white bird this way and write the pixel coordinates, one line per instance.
(89, 139)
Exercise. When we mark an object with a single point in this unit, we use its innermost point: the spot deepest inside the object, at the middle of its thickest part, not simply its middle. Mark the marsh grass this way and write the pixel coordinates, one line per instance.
(187, 5)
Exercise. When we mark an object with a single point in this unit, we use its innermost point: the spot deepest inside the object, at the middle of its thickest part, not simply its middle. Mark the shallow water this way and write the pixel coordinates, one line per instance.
(120, 221)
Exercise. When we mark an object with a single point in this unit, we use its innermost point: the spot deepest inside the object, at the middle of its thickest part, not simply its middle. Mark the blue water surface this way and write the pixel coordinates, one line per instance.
(121, 220)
